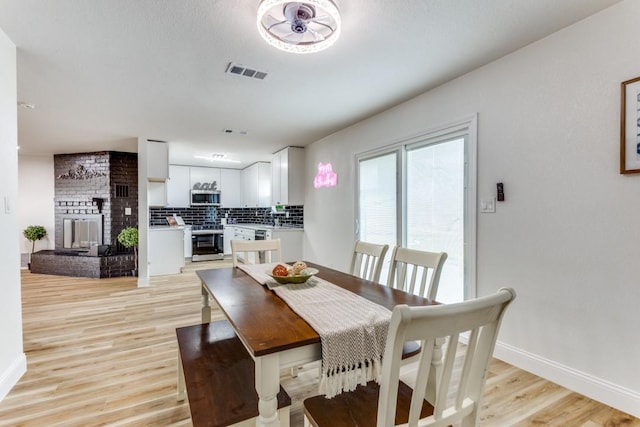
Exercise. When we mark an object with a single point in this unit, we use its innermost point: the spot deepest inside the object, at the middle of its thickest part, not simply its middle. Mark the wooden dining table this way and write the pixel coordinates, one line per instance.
(274, 335)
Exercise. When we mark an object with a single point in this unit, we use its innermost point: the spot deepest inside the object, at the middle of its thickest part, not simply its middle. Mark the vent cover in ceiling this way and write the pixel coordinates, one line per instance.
(240, 70)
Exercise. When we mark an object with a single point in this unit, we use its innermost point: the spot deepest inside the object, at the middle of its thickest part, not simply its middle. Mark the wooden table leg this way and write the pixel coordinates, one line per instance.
(206, 307)
(267, 386)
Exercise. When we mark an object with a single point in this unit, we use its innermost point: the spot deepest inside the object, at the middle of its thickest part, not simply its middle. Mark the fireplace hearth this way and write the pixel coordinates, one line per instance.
(80, 264)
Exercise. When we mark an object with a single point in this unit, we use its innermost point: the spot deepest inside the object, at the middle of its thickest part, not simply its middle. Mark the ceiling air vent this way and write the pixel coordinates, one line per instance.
(239, 70)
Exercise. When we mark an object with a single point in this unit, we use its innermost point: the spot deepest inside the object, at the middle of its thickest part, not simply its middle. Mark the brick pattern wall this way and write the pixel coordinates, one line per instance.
(209, 214)
(124, 174)
(82, 180)
(48, 262)
(194, 215)
(79, 178)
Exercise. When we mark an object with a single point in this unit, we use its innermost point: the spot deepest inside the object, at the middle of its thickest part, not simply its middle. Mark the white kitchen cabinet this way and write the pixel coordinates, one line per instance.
(230, 188)
(203, 175)
(249, 186)
(178, 186)
(156, 193)
(229, 234)
(188, 247)
(256, 185)
(166, 250)
(157, 161)
(287, 177)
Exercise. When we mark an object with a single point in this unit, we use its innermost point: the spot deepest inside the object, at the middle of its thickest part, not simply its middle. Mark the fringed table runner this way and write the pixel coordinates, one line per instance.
(352, 329)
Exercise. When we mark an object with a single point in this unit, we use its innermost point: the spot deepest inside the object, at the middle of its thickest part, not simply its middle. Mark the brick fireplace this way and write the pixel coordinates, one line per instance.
(96, 196)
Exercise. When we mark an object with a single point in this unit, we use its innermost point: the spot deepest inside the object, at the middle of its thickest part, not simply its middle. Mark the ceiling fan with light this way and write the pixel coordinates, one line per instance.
(299, 27)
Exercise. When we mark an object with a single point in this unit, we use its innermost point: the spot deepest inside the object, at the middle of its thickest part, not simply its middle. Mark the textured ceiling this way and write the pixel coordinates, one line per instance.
(103, 72)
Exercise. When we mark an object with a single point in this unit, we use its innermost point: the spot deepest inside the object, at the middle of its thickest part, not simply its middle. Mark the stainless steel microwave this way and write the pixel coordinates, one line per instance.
(205, 198)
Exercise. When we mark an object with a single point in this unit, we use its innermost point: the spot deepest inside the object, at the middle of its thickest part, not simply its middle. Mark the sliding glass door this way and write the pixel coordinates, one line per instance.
(435, 209)
(378, 190)
(420, 194)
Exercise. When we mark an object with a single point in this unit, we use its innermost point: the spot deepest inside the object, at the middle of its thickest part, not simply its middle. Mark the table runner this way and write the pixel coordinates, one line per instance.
(352, 329)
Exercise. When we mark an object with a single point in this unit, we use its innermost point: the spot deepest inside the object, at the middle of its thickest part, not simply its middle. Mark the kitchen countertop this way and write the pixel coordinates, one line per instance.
(165, 228)
(266, 227)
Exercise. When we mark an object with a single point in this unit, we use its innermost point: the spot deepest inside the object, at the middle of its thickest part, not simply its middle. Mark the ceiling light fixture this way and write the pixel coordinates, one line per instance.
(299, 27)
(217, 158)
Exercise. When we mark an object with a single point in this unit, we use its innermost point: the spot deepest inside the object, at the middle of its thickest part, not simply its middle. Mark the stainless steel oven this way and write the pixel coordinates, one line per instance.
(207, 243)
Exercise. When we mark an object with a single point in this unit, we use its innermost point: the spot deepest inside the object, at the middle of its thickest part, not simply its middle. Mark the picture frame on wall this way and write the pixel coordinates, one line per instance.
(630, 127)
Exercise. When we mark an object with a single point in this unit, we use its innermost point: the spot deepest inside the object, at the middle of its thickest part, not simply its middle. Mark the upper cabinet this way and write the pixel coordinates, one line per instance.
(256, 185)
(230, 188)
(287, 177)
(178, 186)
(157, 161)
(205, 176)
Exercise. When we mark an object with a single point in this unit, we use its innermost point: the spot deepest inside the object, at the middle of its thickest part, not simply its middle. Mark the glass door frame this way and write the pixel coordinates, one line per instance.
(467, 128)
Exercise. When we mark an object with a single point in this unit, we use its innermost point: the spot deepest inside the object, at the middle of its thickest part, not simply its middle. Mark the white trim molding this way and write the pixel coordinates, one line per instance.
(595, 388)
(12, 375)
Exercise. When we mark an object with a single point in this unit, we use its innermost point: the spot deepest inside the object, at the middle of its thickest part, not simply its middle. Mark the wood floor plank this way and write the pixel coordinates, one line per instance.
(103, 352)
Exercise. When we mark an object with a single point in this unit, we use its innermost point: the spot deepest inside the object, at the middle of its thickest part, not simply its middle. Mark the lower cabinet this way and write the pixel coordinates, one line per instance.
(188, 247)
(166, 251)
(228, 235)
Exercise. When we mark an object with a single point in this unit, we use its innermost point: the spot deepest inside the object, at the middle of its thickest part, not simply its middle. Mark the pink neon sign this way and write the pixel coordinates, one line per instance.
(326, 177)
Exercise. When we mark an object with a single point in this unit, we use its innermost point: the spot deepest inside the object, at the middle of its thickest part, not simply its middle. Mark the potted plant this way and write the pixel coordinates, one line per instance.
(128, 238)
(34, 233)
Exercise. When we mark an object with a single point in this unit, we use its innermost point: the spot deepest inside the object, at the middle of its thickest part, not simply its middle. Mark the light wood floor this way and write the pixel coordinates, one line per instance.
(103, 352)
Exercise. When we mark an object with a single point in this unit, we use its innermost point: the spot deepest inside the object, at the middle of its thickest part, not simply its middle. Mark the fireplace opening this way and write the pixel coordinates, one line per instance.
(81, 232)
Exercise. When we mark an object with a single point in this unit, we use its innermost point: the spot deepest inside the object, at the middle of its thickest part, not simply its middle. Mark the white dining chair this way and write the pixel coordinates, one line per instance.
(457, 399)
(367, 259)
(417, 272)
(256, 251)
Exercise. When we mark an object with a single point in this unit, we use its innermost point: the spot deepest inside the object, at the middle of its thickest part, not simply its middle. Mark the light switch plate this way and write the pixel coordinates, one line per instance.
(488, 205)
(127, 211)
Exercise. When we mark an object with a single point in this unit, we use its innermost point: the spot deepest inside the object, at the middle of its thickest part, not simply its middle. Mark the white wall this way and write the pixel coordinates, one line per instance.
(12, 358)
(36, 199)
(566, 237)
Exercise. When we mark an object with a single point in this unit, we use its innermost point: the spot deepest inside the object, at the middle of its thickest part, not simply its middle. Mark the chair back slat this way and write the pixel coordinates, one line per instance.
(447, 373)
(422, 378)
(414, 264)
(480, 319)
(367, 259)
(269, 249)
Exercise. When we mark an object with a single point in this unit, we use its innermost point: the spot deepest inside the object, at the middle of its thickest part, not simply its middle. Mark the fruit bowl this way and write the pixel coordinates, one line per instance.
(301, 278)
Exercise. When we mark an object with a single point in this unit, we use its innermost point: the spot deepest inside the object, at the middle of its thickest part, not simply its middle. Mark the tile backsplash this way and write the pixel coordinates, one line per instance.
(211, 214)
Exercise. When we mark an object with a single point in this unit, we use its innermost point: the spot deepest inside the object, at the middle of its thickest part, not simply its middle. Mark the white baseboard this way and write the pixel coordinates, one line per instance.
(10, 377)
(595, 388)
